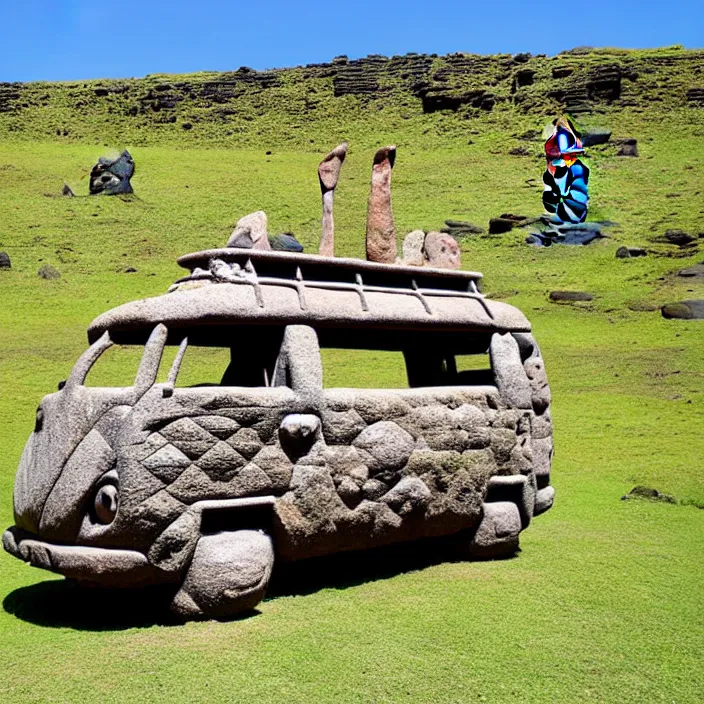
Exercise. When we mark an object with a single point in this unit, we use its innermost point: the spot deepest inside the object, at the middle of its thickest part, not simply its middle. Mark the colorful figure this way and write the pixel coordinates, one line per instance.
(565, 181)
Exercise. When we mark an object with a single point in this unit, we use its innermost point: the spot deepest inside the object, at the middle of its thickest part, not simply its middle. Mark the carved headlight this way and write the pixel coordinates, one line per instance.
(106, 503)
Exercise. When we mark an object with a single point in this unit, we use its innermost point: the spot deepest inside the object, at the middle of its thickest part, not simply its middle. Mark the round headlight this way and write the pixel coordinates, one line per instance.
(106, 503)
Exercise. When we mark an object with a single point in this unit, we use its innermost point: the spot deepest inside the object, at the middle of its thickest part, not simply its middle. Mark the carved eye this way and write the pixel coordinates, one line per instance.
(106, 503)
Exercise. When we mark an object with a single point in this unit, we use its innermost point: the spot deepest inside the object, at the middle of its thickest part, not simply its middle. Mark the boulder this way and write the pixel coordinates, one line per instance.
(595, 135)
(250, 232)
(5, 262)
(684, 310)
(442, 251)
(497, 226)
(413, 248)
(646, 492)
(386, 445)
(629, 252)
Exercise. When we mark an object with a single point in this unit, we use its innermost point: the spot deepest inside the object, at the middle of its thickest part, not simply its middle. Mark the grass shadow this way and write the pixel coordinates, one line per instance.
(65, 603)
(350, 569)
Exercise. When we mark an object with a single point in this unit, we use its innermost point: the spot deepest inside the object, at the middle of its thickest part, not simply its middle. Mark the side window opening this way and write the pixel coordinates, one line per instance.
(363, 369)
(474, 370)
(202, 366)
(116, 367)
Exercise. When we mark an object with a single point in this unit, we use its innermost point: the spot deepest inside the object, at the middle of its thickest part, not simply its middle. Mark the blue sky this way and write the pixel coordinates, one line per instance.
(74, 39)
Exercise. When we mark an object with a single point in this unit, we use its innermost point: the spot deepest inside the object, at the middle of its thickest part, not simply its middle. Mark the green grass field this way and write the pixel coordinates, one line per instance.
(603, 604)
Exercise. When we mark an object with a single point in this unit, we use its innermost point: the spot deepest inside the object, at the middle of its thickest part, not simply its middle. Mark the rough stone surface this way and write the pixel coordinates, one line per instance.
(412, 250)
(5, 262)
(510, 376)
(228, 574)
(141, 480)
(695, 272)
(381, 231)
(442, 251)
(387, 445)
(684, 310)
(497, 534)
(251, 232)
(328, 175)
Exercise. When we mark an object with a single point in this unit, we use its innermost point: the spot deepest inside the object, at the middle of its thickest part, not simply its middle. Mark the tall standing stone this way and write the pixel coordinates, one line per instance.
(328, 174)
(381, 233)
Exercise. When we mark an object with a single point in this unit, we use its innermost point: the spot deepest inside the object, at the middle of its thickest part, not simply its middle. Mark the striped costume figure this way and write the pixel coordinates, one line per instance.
(565, 181)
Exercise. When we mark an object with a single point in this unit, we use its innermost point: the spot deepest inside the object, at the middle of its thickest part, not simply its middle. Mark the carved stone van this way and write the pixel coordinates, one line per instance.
(204, 487)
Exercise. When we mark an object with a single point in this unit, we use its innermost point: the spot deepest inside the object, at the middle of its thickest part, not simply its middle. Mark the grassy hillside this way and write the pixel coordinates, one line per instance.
(603, 604)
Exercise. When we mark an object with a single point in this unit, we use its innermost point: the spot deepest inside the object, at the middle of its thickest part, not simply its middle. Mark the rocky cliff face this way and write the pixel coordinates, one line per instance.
(230, 105)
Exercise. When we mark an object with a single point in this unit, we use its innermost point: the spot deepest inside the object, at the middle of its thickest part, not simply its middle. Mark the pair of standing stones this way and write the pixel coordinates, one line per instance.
(434, 249)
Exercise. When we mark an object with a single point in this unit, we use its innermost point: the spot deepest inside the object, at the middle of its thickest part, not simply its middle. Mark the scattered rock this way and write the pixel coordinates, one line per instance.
(571, 296)
(628, 252)
(679, 238)
(497, 226)
(48, 272)
(67, 191)
(129, 270)
(5, 262)
(595, 135)
(684, 310)
(645, 492)
(460, 228)
(692, 272)
(627, 147)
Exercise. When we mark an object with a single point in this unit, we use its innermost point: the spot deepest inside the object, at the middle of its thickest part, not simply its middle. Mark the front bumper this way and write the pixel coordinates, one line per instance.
(105, 566)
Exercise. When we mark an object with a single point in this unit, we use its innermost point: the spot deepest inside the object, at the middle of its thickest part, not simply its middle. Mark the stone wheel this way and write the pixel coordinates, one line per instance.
(228, 575)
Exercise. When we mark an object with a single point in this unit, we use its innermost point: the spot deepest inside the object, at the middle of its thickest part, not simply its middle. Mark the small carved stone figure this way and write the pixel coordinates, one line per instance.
(112, 176)
(381, 232)
(328, 174)
(565, 181)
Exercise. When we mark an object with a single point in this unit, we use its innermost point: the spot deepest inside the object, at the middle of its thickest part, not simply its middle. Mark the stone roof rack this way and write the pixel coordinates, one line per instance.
(301, 272)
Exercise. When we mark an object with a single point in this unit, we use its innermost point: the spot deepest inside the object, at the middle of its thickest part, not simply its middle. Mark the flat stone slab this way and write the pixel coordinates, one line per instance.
(693, 272)
(684, 310)
(571, 296)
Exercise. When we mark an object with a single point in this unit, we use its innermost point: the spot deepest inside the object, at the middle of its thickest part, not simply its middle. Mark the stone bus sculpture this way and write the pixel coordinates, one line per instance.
(205, 487)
